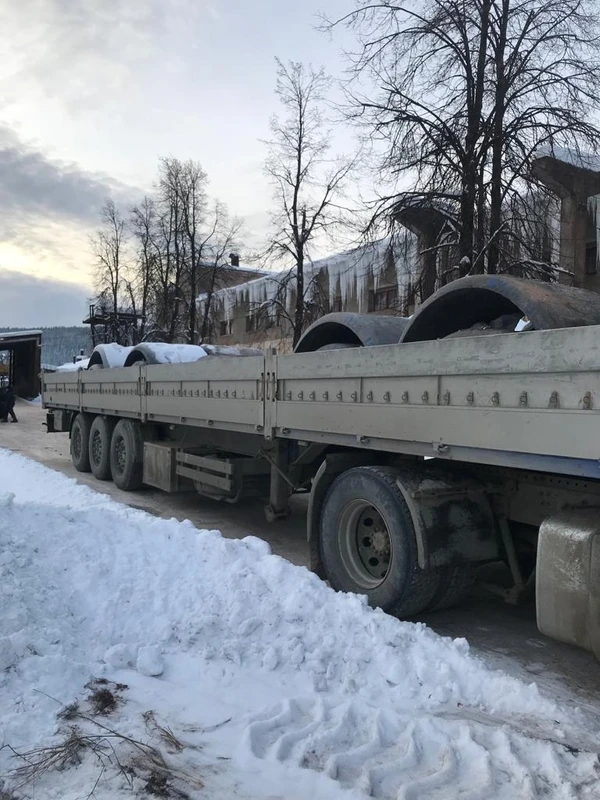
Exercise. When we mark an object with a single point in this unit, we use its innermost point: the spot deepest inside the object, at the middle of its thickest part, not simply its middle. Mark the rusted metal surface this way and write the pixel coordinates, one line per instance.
(484, 298)
(357, 330)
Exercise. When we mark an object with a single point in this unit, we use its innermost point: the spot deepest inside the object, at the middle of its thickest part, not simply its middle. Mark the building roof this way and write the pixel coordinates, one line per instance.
(19, 335)
(248, 268)
(569, 155)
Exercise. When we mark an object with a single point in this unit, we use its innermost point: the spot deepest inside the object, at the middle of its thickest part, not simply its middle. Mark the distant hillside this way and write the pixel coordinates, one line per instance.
(59, 345)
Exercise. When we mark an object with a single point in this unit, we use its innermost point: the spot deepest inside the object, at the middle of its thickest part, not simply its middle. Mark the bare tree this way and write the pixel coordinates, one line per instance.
(141, 284)
(308, 184)
(216, 249)
(427, 61)
(199, 233)
(177, 242)
(173, 262)
(108, 247)
(191, 187)
(463, 95)
(546, 79)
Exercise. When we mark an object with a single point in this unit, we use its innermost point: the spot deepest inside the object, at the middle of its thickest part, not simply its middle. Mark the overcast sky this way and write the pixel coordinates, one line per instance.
(93, 92)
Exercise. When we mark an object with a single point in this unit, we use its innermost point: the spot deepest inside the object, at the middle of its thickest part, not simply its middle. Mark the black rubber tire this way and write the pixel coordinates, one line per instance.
(101, 432)
(455, 584)
(406, 589)
(80, 438)
(127, 455)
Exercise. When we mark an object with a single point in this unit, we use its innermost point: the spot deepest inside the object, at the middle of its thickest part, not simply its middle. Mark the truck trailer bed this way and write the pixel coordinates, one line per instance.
(528, 400)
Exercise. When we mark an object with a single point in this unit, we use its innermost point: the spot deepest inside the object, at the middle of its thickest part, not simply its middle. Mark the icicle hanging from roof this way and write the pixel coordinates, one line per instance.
(346, 275)
(593, 205)
(553, 222)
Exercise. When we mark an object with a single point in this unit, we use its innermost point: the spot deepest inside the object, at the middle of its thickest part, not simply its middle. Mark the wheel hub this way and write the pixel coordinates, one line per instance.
(380, 542)
(365, 543)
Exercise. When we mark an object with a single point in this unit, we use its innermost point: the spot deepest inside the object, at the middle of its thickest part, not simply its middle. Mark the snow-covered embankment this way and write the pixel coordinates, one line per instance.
(319, 695)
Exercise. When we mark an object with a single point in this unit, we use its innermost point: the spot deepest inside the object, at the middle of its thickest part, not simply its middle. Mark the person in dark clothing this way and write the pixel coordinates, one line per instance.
(7, 405)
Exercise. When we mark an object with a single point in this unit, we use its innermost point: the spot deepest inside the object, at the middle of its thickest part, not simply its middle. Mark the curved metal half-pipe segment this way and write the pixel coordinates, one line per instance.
(487, 298)
(354, 330)
(105, 356)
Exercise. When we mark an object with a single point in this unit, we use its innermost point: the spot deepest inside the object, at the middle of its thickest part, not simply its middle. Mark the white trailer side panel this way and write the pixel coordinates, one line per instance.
(536, 394)
(529, 400)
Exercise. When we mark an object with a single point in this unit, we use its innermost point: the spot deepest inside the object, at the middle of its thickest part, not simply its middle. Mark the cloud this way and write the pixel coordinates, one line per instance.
(70, 48)
(81, 51)
(80, 87)
(48, 208)
(33, 184)
(30, 302)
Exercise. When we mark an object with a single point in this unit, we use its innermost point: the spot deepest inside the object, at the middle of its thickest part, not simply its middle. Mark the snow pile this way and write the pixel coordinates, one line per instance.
(176, 353)
(71, 366)
(318, 694)
(231, 350)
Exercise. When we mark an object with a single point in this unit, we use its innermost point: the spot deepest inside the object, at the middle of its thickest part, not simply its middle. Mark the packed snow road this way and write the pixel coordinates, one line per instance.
(142, 656)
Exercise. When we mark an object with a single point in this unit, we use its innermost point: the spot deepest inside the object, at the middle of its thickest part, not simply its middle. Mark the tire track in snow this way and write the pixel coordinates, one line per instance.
(401, 757)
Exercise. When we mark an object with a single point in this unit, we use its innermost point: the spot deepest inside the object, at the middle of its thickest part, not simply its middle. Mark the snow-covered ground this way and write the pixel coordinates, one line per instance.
(236, 674)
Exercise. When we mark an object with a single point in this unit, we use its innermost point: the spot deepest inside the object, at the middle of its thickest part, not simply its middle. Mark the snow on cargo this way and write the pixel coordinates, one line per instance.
(73, 366)
(164, 353)
(139, 654)
(108, 355)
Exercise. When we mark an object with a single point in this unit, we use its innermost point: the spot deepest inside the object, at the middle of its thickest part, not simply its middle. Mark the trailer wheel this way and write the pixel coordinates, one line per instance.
(126, 455)
(80, 438)
(368, 542)
(100, 438)
(455, 582)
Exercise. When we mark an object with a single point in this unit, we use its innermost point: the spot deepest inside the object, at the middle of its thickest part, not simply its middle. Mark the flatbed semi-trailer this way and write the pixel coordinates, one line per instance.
(423, 459)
